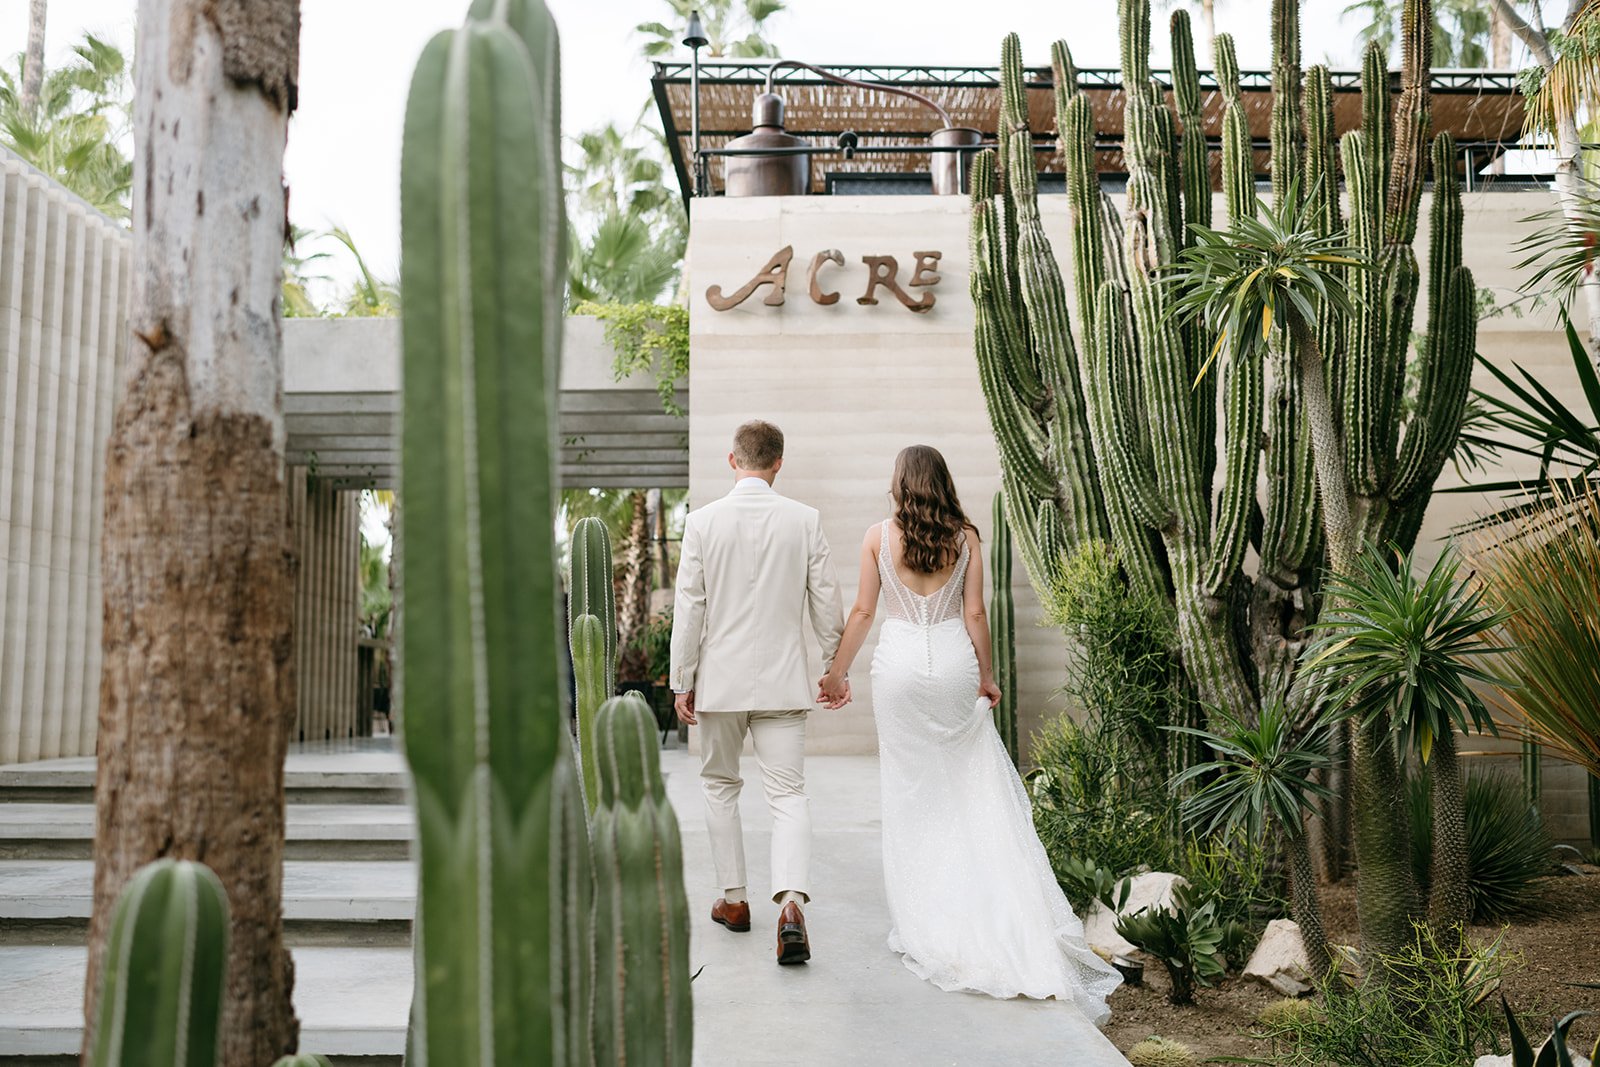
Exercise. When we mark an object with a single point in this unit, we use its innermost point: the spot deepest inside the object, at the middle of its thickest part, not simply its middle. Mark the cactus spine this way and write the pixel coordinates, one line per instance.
(503, 899)
(592, 634)
(1329, 417)
(1003, 629)
(160, 999)
(643, 1009)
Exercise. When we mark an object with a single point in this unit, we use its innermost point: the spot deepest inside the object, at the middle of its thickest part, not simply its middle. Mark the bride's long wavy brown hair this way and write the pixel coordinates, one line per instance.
(927, 510)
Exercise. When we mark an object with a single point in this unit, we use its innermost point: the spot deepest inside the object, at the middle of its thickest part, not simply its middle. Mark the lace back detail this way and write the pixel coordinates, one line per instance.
(942, 605)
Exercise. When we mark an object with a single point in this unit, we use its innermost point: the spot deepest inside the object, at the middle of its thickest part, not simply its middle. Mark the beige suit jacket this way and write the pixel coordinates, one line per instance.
(754, 564)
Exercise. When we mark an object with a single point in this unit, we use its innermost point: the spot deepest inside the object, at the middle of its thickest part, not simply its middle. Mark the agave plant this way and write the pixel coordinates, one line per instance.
(1403, 649)
(1554, 1051)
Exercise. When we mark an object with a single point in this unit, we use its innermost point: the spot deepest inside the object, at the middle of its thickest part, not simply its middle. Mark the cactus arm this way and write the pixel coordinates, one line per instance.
(588, 655)
(1003, 638)
(160, 998)
(1114, 370)
(1412, 116)
(1194, 178)
(593, 590)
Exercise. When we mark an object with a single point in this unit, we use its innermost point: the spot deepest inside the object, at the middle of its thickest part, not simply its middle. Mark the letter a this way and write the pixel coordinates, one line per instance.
(775, 274)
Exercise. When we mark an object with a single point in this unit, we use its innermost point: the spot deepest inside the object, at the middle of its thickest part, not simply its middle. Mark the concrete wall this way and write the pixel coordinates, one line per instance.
(63, 300)
(851, 385)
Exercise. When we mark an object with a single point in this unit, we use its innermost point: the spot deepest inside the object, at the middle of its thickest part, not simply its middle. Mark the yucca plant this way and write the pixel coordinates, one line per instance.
(1542, 573)
(1265, 777)
(1508, 847)
(1400, 653)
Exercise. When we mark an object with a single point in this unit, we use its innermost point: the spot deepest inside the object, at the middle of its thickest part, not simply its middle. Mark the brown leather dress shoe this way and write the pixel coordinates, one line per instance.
(735, 916)
(793, 945)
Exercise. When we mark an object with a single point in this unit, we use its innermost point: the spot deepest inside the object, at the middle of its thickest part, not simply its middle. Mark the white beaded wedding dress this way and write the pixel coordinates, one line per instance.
(973, 903)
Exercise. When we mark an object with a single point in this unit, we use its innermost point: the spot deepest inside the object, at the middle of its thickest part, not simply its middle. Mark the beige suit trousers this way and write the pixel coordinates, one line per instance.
(779, 738)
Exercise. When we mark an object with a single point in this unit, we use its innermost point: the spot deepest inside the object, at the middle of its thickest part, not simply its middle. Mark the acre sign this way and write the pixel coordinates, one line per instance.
(883, 272)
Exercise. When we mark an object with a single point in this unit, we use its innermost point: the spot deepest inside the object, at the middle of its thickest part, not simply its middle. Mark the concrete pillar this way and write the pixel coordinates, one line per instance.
(327, 606)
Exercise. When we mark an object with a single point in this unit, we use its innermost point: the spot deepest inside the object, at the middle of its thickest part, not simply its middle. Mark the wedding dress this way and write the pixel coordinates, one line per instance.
(973, 903)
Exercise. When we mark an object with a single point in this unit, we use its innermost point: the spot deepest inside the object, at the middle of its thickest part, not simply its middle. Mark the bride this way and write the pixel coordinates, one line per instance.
(973, 903)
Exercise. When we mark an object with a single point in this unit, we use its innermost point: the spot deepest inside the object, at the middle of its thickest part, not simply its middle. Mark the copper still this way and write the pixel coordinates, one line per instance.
(768, 175)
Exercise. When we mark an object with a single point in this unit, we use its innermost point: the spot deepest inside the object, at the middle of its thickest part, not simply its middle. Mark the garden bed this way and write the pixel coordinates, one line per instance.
(1557, 946)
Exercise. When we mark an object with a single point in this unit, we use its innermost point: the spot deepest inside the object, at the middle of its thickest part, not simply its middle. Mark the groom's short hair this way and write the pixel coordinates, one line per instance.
(757, 445)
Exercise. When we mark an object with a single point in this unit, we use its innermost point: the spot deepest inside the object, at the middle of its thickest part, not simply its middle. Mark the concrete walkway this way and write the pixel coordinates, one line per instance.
(854, 1003)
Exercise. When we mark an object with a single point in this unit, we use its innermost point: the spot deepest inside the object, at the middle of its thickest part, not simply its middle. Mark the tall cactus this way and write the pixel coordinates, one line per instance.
(592, 635)
(504, 893)
(1003, 629)
(643, 1009)
(160, 1001)
(1181, 513)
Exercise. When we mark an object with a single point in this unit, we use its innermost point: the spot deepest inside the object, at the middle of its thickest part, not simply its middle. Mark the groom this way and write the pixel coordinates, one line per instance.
(753, 563)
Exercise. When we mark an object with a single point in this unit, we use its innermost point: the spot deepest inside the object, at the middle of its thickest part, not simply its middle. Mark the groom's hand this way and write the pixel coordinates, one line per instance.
(833, 693)
(684, 703)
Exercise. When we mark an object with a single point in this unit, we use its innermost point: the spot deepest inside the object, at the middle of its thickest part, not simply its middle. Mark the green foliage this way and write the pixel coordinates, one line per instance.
(1003, 629)
(654, 641)
(735, 29)
(643, 1010)
(1123, 638)
(83, 118)
(1159, 1052)
(160, 1002)
(1554, 1052)
(647, 337)
(503, 936)
(1400, 649)
(1460, 29)
(1263, 779)
(1238, 875)
(629, 223)
(1091, 799)
(1543, 575)
(1435, 1014)
(1508, 847)
(1083, 882)
(1186, 938)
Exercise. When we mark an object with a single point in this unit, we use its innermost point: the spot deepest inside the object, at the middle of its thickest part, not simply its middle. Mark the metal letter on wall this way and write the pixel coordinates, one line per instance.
(927, 269)
(827, 255)
(775, 273)
(882, 270)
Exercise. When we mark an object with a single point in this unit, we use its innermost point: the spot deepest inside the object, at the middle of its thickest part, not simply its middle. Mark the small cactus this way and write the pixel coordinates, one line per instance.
(643, 1011)
(1285, 1012)
(591, 635)
(1159, 1052)
(160, 1001)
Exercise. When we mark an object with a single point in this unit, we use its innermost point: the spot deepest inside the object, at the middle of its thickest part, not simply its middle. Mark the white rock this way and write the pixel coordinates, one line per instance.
(1505, 1061)
(1152, 890)
(1279, 960)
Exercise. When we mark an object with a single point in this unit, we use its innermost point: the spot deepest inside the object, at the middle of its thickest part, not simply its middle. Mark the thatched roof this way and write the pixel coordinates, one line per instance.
(1482, 109)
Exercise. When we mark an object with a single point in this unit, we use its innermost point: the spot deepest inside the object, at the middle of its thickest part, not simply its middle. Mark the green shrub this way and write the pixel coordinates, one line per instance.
(1091, 799)
(1084, 883)
(1507, 844)
(1186, 938)
(1236, 872)
(1433, 1011)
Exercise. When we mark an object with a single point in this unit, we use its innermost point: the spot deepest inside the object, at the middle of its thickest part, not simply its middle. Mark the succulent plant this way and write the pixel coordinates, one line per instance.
(1160, 1052)
(160, 1001)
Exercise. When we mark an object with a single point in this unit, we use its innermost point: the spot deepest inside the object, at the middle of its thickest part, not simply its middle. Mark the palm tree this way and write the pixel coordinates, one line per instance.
(629, 231)
(74, 131)
(1271, 273)
(369, 296)
(734, 29)
(297, 302)
(1399, 651)
(197, 692)
(1264, 777)
(33, 60)
(624, 263)
(1461, 29)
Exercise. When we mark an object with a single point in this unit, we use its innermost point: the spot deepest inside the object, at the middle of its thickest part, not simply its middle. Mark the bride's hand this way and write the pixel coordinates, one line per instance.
(988, 688)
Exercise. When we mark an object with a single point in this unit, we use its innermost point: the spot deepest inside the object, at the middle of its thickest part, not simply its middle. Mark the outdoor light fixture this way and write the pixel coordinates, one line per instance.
(778, 163)
(694, 38)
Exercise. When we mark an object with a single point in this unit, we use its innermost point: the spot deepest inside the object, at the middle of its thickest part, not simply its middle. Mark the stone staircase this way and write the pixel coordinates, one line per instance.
(349, 895)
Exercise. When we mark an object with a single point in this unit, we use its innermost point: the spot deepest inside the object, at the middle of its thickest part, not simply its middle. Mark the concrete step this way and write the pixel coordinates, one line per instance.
(347, 832)
(352, 1002)
(325, 902)
(326, 775)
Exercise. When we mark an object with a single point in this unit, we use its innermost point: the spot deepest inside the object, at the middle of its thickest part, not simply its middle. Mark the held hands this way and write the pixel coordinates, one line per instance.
(833, 692)
(684, 703)
(988, 688)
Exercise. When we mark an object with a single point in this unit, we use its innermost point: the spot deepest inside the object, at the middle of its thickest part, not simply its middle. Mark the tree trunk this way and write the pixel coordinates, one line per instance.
(633, 599)
(1307, 907)
(1387, 902)
(1327, 451)
(197, 694)
(33, 61)
(1449, 905)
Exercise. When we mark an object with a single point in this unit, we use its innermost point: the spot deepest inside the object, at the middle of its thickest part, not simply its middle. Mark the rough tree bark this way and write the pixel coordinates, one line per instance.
(197, 694)
(1569, 152)
(33, 60)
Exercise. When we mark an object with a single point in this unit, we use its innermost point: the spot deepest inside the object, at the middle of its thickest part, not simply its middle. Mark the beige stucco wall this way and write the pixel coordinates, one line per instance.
(851, 385)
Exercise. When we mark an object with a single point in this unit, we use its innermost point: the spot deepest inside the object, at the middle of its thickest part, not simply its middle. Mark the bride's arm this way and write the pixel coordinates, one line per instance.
(977, 619)
(860, 619)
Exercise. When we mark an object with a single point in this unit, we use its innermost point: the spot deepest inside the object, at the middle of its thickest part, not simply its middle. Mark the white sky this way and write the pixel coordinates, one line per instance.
(356, 58)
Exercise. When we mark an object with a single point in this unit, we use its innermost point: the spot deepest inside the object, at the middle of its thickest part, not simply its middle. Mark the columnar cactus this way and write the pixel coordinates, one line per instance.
(1181, 513)
(160, 999)
(504, 895)
(1003, 629)
(643, 1010)
(592, 634)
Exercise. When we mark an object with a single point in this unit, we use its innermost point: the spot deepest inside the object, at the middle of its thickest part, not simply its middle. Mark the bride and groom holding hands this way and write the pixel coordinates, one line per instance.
(973, 903)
